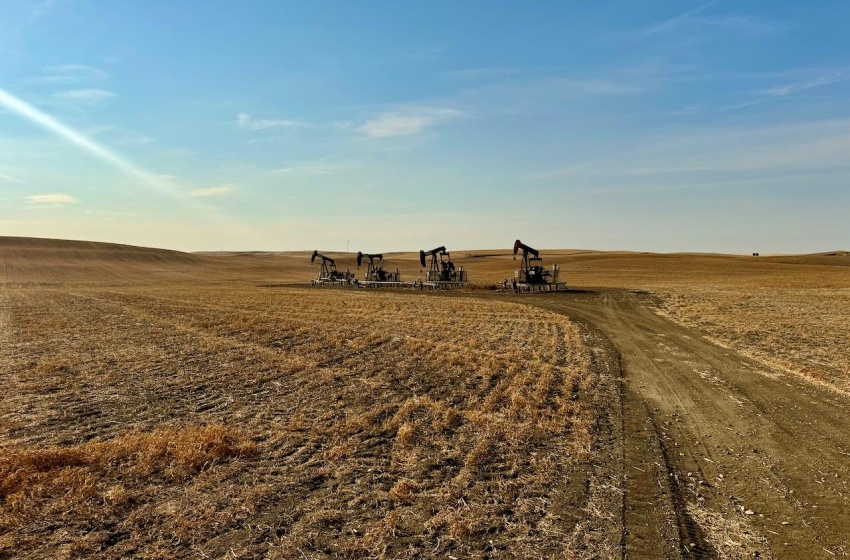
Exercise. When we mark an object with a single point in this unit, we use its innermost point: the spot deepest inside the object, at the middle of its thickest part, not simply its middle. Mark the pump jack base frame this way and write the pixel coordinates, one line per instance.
(443, 285)
(522, 287)
(332, 282)
(376, 284)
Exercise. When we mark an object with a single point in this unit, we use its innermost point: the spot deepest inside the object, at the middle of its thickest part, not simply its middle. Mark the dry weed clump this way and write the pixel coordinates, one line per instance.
(729, 534)
(382, 425)
(89, 478)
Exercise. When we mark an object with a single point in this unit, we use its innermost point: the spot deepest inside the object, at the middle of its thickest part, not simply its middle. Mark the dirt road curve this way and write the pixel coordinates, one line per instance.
(723, 457)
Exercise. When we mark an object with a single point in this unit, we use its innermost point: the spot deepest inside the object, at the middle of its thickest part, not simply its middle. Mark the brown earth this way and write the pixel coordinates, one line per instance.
(727, 438)
(724, 456)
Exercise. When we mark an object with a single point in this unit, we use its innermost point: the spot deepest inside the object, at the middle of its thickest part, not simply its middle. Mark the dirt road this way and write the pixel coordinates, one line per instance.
(723, 456)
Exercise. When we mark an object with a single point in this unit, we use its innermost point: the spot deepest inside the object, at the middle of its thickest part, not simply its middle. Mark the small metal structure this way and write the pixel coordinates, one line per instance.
(375, 275)
(328, 274)
(533, 276)
(442, 273)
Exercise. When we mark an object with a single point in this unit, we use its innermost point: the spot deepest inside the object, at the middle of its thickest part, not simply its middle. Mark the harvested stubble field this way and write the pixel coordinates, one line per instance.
(803, 331)
(203, 421)
(161, 404)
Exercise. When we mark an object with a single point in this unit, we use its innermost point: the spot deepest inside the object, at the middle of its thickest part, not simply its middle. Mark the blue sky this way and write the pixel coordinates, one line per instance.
(205, 125)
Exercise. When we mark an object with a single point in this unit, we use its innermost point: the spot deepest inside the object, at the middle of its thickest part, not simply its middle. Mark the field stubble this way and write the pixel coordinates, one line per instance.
(163, 422)
(800, 331)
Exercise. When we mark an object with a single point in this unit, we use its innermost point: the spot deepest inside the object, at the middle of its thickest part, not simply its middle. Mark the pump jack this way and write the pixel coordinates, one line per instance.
(375, 272)
(442, 269)
(532, 274)
(328, 271)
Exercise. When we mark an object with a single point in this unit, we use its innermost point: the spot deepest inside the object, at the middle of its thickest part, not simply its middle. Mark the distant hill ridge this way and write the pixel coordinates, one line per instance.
(29, 259)
(11, 247)
(36, 260)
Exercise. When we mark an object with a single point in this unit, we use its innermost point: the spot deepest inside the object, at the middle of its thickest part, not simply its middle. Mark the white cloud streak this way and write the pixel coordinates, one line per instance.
(737, 22)
(45, 121)
(85, 96)
(595, 87)
(672, 22)
(52, 199)
(246, 121)
(488, 72)
(406, 123)
(69, 74)
(765, 151)
(794, 87)
(222, 190)
(321, 166)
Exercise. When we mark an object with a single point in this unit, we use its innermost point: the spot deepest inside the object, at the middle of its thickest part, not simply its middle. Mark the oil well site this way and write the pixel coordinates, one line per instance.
(162, 404)
(438, 272)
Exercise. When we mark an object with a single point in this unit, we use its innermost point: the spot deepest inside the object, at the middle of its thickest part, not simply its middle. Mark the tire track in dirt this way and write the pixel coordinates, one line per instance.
(755, 462)
(5, 329)
(655, 518)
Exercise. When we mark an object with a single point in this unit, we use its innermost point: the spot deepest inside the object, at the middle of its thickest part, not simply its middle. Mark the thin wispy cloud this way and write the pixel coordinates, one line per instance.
(808, 147)
(222, 190)
(770, 86)
(54, 126)
(119, 136)
(735, 22)
(246, 121)
(832, 77)
(709, 109)
(408, 122)
(68, 74)
(485, 72)
(746, 24)
(423, 53)
(52, 199)
(8, 179)
(531, 90)
(85, 96)
(595, 87)
(681, 18)
(320, 166)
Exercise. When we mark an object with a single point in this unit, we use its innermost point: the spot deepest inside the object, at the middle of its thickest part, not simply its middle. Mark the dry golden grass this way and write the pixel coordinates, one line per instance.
(804, 331)
(192, 420)
(792, 313)
(729, 533)
(100, 479)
